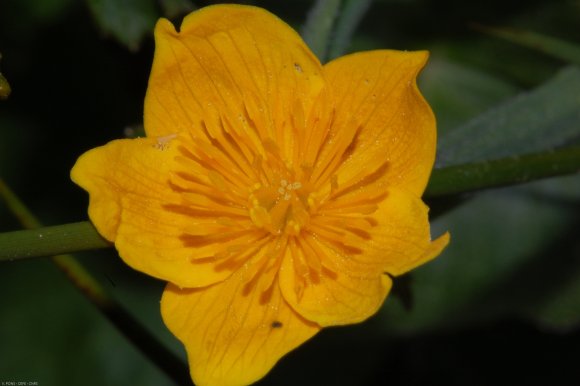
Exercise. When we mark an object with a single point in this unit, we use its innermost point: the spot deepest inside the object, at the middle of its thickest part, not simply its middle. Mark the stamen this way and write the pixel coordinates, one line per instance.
(280, 208)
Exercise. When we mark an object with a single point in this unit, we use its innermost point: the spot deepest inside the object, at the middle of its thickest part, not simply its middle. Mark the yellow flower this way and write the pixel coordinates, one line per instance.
(276, 196)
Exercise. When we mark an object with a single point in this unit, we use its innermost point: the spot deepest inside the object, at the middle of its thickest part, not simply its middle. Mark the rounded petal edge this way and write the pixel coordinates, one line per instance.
(433, 250)
(92, 173)
(402, 236)
(333, 298)
(232, 336)
(229, 61)
(130, 202)
(377, 95)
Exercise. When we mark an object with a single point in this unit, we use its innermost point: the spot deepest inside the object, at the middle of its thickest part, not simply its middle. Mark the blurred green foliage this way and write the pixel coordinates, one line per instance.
(129, 21)
(503, 302)
(542, 119)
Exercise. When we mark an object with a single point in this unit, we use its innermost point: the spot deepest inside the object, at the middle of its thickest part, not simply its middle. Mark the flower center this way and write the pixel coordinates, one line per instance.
(281, 208)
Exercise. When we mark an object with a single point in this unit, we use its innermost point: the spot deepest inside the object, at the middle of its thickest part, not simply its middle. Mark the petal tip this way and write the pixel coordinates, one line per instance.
(435, 248)
(165, 27)
(418, 59)
(423, 57)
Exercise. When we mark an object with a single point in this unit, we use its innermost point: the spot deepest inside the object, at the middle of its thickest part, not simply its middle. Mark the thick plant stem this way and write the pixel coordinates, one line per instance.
(467, 178)
(445, 182)
(84, 234)
(50, 241)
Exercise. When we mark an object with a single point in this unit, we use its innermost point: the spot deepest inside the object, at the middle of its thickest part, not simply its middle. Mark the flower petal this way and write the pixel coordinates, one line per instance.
(329, 297)
(132, 204)
(377, 96)
(396, 240)
(402, 238)
(336, 273)
(234, 73)
(234, 336)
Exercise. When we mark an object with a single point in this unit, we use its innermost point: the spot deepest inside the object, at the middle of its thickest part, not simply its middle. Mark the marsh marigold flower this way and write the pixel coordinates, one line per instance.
(276, 196)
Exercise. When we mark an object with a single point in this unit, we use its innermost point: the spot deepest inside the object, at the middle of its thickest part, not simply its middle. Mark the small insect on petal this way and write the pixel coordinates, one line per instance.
(163, 142)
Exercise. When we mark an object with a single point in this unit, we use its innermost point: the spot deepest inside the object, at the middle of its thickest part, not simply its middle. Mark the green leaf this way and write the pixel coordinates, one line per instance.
(557, 48)
(458, 93)
(85, 282)
(510, 254)
(545, 118)
(174, 8)
(52, 335)
(348, 20)
(317, 30)
(129, 21)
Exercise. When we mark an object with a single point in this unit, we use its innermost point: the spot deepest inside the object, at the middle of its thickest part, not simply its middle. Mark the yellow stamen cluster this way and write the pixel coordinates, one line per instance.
(282, 208)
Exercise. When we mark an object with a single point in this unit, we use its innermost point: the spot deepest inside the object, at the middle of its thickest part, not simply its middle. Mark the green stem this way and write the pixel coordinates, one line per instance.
(17, 207)
(349, 19)
(502, 172)
(317, 30)
(49, 241)
(444, 182)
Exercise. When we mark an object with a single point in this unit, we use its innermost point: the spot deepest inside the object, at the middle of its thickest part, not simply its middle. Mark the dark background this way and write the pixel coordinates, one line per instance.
(473, 317)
